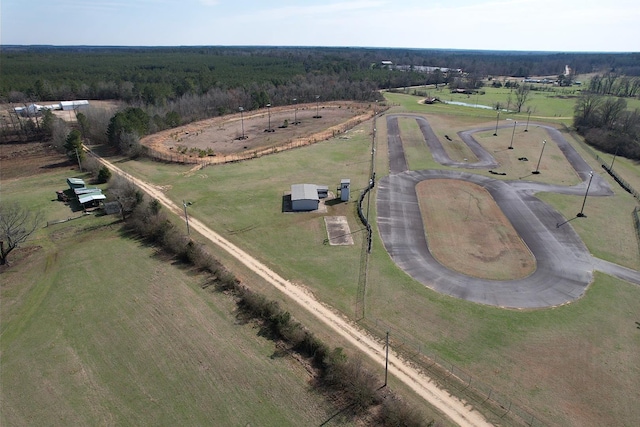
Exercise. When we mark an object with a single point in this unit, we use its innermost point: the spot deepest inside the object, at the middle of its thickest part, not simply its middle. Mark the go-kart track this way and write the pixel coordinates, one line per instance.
(564, 266)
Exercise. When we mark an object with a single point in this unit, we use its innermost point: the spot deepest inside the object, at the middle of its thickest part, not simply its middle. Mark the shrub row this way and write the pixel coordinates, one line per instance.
(358, 387)
(348, 379)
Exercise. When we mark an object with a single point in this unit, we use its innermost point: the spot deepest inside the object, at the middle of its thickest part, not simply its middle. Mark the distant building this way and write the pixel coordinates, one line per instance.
(34, 109)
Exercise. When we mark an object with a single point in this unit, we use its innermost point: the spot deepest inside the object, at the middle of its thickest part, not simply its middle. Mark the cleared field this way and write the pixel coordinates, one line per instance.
(146, 347)
(468, 233)
(98, 329)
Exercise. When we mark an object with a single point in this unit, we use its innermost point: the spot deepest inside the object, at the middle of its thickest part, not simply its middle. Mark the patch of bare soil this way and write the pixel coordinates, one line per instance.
(19, 160)
(467, 232)
(220, 139)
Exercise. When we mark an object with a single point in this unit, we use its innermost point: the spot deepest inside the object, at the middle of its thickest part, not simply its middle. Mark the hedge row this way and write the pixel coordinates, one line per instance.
(357, 387)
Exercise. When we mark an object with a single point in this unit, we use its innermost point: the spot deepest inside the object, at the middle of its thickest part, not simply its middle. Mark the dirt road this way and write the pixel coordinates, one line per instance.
(457, 410)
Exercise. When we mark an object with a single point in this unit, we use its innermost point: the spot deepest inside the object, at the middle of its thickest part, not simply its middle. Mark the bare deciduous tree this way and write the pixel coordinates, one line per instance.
(16, 225)
(522, 94)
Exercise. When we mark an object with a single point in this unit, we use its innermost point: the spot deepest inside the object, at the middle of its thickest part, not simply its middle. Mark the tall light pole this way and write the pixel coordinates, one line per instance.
(186, 216)
(295, 111)
(269, 114)
(242, 121)
(526, 129)
(581, 214)
(512, 134)
(497, 120)
(317, 116)
(537, 171)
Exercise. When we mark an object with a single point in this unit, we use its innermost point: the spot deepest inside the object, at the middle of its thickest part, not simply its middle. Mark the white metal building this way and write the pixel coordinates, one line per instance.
(304, 197)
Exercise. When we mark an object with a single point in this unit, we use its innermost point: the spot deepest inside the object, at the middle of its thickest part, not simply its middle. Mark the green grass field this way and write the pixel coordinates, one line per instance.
(243, 201)
(572, 365)
(98, 329)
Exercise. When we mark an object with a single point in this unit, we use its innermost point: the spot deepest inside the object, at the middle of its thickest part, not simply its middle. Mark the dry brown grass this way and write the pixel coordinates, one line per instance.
(468, 233)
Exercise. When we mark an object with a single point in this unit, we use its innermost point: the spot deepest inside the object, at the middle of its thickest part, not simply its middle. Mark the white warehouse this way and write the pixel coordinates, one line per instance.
(304, 197)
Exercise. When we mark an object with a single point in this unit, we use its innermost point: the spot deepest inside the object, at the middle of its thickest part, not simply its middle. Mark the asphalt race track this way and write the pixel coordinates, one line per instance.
(564, 266)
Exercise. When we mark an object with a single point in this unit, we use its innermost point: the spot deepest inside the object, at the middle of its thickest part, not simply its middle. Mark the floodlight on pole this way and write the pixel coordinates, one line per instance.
(512, 134)
(586, 193)
(242, 121)
(295, 111)
(497, 120)
(526, 129)
(537, 171)
(317, 116)
(269, 115)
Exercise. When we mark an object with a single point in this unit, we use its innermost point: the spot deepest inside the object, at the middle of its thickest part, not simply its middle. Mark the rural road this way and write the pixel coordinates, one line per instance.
(564, 266)
(457, 410)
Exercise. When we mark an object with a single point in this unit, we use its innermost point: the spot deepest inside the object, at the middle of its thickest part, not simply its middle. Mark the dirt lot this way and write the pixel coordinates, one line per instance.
(462, 218)
(19, 160)
(221, 137)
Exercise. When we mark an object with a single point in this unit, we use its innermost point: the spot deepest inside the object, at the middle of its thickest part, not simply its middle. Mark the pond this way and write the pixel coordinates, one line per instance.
(465, 104)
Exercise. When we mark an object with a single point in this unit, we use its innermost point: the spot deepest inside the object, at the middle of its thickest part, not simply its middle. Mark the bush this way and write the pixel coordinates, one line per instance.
(104, 175)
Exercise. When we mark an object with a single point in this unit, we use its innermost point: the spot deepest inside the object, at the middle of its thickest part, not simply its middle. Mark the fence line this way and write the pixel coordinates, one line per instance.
(636, 222)
(624, 184)
(448, 375)
(60, 221)
(177, 157)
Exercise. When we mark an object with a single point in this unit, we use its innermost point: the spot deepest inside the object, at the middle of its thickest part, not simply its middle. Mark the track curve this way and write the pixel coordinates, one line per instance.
(564, 266)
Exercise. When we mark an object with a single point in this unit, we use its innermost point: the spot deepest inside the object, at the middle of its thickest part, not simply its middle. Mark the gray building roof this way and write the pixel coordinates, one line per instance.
(304, 192)
(86, 198)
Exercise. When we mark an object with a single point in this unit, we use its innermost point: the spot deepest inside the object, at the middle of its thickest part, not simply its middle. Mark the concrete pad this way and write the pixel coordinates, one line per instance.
(338, 230)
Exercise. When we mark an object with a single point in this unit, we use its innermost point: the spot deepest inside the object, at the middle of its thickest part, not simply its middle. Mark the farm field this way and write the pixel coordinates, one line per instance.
(243, 202)
(145, 346)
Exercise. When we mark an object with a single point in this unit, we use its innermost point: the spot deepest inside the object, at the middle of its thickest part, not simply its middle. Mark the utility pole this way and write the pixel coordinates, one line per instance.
(386, 362)
(78, 157)
(614, 158)
(186, 216)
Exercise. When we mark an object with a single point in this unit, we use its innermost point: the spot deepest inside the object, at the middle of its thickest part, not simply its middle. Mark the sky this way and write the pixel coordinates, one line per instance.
(523, 25)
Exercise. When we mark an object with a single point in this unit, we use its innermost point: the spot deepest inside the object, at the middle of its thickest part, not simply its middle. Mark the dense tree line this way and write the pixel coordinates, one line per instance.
(606, 123)
(154, 76)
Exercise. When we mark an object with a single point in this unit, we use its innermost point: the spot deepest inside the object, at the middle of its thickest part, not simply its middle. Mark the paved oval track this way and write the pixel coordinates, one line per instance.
(564, 266)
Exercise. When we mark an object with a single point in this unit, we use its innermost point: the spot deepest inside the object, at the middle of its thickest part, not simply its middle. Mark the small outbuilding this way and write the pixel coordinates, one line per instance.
(75, 183)
(74, 105)
(344, 189)
(304, 197)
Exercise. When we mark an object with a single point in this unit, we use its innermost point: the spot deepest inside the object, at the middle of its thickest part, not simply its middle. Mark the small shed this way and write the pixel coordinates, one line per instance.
(91, 199)
(75, 183)
(304, 197)
(84, 190)
(344, 189)
(323, 191)
(111, 208)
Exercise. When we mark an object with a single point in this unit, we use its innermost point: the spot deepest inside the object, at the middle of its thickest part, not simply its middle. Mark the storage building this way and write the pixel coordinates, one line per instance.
(304, 197)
